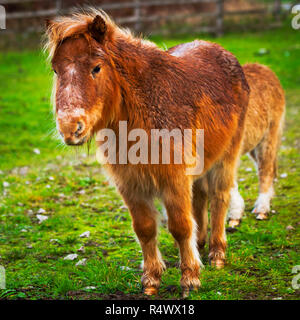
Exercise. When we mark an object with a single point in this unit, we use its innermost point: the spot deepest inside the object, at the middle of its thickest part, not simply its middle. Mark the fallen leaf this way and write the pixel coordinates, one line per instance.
(85, 234)
(81, 262)
(41, 218)
(290, 227)
(71, 256)
(81, 249)
(90, 288)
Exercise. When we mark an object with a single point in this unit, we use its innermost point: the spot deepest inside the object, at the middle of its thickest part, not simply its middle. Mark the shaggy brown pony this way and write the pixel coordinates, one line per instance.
(105, 75)
(262, 135)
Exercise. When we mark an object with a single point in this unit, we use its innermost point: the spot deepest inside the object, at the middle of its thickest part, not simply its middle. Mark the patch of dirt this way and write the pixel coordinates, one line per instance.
(118, 295)
(92, 243)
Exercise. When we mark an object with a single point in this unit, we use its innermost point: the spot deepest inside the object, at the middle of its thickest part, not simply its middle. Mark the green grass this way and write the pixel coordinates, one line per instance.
(76, 197)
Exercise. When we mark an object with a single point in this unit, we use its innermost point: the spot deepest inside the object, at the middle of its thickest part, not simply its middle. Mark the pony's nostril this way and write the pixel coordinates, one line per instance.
(79, 128)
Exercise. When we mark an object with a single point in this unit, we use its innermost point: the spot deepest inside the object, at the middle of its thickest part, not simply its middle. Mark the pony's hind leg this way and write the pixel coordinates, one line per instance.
(266, 156)
(236, 206)
(144, 218)
(200, 201)
(220, 182)
(182, 226)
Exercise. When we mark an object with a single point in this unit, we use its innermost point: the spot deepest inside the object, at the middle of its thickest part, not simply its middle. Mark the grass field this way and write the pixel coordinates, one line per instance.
(40, 177)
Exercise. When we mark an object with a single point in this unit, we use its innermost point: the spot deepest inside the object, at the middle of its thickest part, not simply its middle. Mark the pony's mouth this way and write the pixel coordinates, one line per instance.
(78, 142)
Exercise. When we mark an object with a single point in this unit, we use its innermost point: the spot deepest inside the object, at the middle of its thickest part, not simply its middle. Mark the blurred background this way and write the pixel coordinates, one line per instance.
(55, 200)
(25, 18)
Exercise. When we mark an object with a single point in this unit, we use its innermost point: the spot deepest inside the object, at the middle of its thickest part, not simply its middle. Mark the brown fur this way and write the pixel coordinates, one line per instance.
(197, 85)
(265, 111)
(263, 125)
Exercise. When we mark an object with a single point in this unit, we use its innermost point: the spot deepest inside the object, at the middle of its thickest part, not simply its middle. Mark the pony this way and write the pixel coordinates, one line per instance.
(262, 137)
(104, 75)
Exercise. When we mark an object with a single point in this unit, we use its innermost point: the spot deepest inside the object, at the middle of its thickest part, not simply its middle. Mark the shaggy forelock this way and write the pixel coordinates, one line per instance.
(76, 24)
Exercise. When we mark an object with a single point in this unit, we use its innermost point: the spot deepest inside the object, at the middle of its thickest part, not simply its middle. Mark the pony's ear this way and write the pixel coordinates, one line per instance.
(98, 28)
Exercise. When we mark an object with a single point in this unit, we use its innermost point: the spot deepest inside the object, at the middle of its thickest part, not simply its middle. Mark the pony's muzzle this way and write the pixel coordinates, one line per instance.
(73, 132)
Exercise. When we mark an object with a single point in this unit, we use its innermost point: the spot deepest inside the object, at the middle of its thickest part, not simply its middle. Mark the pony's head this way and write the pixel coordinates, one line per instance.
(86, 87)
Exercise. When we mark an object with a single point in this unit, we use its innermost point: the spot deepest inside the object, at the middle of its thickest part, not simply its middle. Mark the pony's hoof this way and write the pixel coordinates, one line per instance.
(261, 216)
(187, 290)
(150, 291)
(234, 223)
(217, 263)
(185, 293)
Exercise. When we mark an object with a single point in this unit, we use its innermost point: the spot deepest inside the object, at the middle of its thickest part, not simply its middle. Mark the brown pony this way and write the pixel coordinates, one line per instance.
(262, 135)
(105, 75)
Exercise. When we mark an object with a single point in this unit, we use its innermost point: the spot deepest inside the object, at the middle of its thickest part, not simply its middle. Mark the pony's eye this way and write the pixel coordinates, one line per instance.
(96, 70)
(54, 71)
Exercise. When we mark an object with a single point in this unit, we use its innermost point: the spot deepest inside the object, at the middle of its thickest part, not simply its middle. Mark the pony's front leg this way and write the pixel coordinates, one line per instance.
(144, 217)
(184, 229)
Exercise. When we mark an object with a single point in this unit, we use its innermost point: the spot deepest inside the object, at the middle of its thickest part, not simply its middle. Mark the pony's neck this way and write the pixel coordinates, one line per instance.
(134, 61)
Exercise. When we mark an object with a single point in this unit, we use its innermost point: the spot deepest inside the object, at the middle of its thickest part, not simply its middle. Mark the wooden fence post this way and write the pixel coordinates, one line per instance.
(58, 5)
(137, 15)
(277, 9)
(219, 17)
